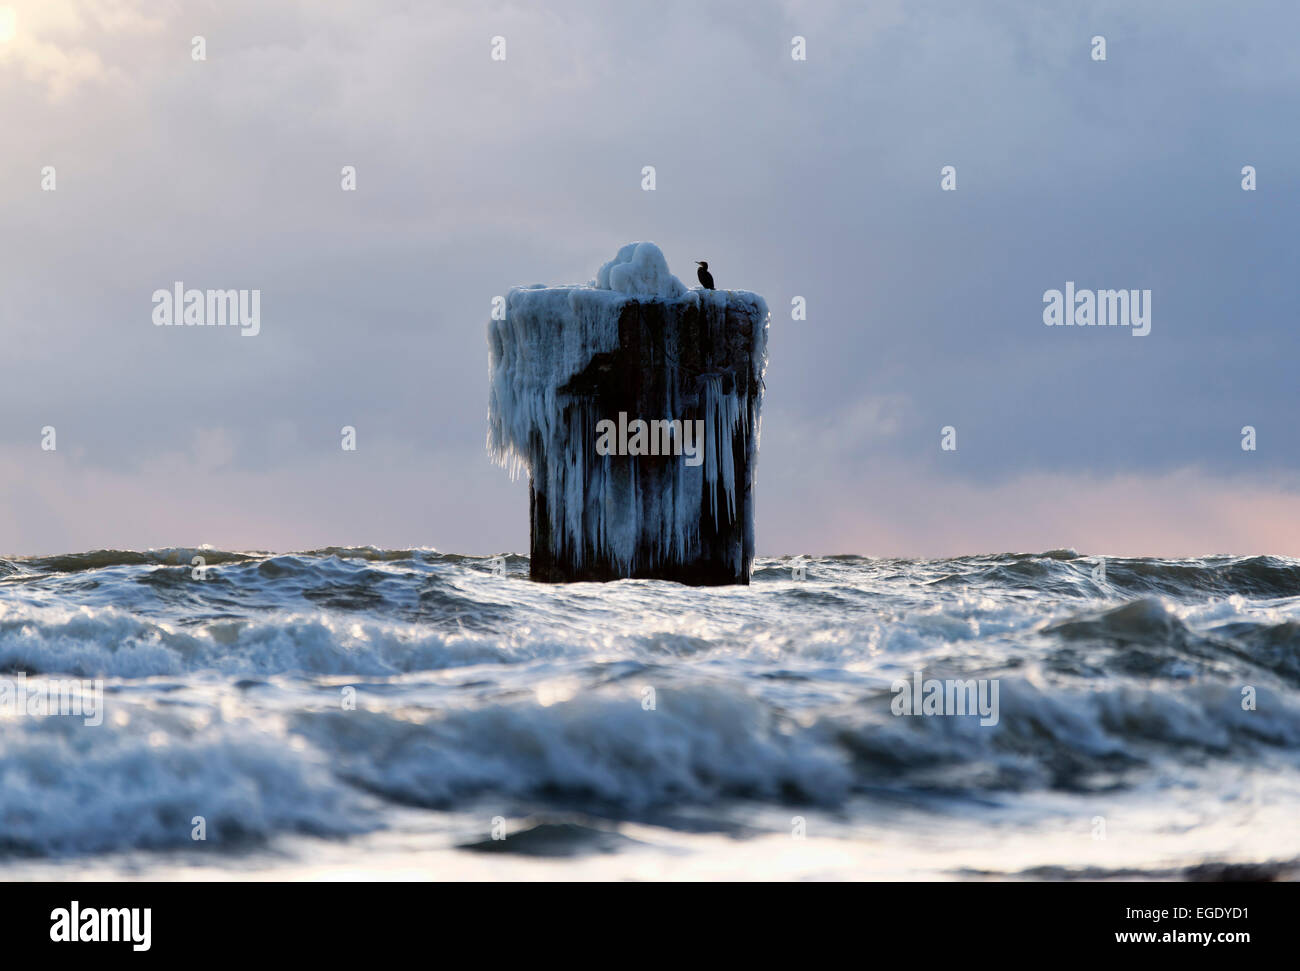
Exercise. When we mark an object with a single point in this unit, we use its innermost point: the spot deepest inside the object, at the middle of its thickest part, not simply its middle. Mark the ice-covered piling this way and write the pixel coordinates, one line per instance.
(599, 392)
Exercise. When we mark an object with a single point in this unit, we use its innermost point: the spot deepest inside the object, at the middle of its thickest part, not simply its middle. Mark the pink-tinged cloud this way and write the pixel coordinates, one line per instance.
(458, 502)
(910, 512)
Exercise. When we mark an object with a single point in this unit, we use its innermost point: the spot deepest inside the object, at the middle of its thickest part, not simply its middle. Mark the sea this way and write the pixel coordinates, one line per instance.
(363, 713)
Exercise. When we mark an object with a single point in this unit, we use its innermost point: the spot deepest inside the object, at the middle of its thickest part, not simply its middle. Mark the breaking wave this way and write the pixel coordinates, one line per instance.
(631, 700)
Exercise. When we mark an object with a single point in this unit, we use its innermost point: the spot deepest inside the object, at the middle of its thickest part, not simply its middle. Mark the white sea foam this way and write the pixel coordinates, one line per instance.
(642, 700)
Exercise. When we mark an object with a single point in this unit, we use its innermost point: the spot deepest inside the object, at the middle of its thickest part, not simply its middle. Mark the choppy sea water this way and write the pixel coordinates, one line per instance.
(385, 713)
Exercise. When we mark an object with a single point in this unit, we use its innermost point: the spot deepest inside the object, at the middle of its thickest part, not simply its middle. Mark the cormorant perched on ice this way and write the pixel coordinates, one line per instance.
(706, 278)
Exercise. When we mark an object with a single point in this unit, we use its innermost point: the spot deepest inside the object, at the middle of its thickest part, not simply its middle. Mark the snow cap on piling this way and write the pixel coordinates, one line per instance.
(641, 270)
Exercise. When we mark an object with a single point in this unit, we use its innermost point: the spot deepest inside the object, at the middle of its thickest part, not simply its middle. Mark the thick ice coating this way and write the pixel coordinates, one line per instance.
(640, 268)
(636, 340)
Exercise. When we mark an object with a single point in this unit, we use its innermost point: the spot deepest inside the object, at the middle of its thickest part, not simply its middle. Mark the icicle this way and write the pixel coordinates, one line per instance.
(632, 512)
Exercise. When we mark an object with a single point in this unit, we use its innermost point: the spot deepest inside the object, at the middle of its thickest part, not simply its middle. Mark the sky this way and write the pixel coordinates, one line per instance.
(818, 178)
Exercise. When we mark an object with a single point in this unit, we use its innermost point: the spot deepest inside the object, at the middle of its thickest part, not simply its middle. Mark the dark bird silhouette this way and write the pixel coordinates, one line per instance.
(706, 278)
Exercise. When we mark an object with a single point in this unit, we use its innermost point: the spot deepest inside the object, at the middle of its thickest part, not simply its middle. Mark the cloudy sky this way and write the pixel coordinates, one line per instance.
(818, 178)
